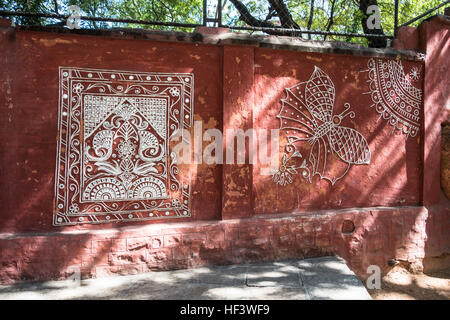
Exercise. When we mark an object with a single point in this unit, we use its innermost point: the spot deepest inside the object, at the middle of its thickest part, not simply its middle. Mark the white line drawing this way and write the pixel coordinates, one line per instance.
(414, 74)
(113, 159)
(284, 174)
(393, 95)
(307, 116)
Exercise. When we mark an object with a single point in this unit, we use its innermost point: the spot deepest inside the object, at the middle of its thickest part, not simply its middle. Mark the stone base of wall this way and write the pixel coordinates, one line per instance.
(361, 236)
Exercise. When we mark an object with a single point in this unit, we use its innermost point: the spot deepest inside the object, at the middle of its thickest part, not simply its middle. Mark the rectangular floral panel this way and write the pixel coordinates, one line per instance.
(114, 159)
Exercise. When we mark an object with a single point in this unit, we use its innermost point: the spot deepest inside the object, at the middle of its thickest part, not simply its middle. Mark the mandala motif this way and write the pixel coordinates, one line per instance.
(126, 149)
(112, 161)
(393, 95)
(307, 116)
(414, 74)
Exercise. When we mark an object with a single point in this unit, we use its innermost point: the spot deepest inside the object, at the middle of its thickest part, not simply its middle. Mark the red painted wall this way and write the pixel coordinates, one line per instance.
(393, 176)
(253, 85)
(30, 62)
(238, 215)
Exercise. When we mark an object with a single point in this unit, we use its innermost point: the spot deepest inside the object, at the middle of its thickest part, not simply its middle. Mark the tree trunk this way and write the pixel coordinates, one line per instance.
(281, 11)
(311, 15)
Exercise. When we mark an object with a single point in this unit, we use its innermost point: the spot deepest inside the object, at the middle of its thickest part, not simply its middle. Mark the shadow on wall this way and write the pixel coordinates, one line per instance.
(377, 236)
(392, 179)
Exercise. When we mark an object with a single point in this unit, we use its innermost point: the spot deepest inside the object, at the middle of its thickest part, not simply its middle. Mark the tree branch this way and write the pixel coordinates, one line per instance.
(283, 13)
(168, 9)
(271, 14)
(249, 19)
(311, 15)
(331, 19)
(55, 2)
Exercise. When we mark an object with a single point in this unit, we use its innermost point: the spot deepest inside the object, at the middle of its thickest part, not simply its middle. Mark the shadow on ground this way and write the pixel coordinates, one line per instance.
(317, 278)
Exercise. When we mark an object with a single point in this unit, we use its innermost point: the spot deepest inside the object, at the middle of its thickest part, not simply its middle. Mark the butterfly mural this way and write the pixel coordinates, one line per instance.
(307, 116)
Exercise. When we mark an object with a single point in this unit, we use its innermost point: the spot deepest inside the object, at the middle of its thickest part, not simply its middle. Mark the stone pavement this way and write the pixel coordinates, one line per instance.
(309, 279)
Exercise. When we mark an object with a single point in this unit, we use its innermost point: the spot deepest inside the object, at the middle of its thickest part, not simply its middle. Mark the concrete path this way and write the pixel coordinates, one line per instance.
(309, 279)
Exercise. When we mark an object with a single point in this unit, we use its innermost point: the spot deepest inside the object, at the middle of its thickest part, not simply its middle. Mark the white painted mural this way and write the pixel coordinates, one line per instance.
(114, 161)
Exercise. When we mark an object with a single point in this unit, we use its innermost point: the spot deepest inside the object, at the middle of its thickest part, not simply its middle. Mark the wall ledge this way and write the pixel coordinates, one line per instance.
(233, 38)
(153, 229)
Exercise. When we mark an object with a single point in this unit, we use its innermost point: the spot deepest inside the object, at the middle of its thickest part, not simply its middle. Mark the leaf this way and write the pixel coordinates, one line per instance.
(144, 169)
(107, 167)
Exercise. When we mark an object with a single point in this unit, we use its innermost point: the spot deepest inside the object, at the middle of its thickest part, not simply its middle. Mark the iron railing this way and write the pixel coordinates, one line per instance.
(99, 19)
(212, 16)
(425, 14)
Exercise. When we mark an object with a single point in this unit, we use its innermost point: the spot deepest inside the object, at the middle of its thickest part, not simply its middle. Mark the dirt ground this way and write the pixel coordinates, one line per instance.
(400, 284)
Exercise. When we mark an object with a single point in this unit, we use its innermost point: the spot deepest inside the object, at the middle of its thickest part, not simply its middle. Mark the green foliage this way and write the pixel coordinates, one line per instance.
(38, 6)
(346, 14)
(189, 12)
(408, 9)
(181, 11)
(92, 8)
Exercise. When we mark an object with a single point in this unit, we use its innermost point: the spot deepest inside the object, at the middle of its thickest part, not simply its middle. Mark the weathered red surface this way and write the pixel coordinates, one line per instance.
(5, 22)
(406, 234)
(432, 38)
(238, 102)
(407, 39)
(235, 87)
(436, 102)
(393, 177)
(29, 124)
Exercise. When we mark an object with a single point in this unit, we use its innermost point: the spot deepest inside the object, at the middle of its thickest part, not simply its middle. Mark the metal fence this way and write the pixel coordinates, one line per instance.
(281, 17)
(278, 17)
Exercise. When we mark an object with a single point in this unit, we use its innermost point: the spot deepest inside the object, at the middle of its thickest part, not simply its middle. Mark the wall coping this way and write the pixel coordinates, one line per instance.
(152, 229)
(223, 37)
